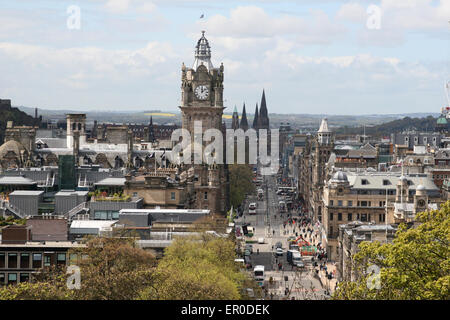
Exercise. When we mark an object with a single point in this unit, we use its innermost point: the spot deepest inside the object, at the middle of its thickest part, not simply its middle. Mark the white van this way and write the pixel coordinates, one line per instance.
(252, 208)
(258, 273)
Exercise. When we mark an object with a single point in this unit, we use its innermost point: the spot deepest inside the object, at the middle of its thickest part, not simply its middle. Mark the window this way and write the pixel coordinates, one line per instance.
(73, 258)
(25, 260)
(172, 196)
(331, 216)
(12, 260)
(331, 203)
(47, 260)
(12, 278)
(2, 279)
(37, 260)
(206, 196)
(339, 216)
(386, 182)
(61, 259)
(331, 231)
(382, 217)
(363, 203)
(350, 203)
(349, 217)
(357, 216)
(363, 217)
(340, 203)
(364, 182)
(2, 260)
(24, 277)
(135, 194)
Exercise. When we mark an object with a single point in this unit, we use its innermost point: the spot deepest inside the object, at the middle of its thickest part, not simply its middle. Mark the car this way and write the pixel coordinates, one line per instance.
(278, 245)
(247, 253)
(260, 240)
(300, 264)
(249, 247)
(279, 252)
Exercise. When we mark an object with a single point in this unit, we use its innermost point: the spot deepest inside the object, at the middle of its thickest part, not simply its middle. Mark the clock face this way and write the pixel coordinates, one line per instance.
(202, 92)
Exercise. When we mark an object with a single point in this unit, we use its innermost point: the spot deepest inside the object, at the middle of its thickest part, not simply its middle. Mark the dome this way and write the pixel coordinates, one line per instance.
(420, 187)
(11, 145)
(340, 176)
(441, 120)
(402, 178)
(203, 53)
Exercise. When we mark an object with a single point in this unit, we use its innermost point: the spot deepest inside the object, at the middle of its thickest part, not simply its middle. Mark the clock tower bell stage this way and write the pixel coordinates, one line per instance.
(202, 90)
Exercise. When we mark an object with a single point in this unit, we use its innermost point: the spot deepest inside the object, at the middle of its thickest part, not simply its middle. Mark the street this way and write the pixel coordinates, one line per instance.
(268, 223)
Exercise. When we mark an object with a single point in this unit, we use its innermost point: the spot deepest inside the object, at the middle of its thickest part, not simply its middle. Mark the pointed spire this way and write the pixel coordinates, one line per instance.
(244, 121)
(255, 119)
(263, 113)
(235, 119)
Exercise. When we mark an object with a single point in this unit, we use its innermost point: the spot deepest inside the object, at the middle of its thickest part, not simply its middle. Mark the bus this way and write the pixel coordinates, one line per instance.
(258, 273)
(282, 206)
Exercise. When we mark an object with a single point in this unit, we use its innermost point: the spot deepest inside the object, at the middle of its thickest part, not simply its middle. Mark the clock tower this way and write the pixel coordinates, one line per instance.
(202, 90)
(202, 102)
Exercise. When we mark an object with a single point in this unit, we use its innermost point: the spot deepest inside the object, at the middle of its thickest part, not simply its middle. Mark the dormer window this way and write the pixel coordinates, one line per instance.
(364, 182)
(386, 182)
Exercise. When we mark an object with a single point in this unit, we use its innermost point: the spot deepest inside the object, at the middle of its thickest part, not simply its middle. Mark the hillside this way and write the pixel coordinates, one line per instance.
(406, 123)
(8, 113)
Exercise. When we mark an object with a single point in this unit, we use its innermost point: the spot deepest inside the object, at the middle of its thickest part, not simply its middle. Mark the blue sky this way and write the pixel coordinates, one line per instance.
(311, 56)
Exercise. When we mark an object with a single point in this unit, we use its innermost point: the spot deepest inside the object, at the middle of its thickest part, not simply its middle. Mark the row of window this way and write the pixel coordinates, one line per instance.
(25, 260)
(440, 176)
(340, 203)
(11, 278)
(106, 215)
(359, 216)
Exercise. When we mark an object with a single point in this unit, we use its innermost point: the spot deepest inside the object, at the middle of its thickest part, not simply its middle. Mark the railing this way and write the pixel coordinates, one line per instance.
(5, 205)
(75, 210)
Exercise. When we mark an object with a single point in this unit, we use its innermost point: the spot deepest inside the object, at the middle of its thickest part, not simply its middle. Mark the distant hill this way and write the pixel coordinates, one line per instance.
(406, 123)
(8, 113)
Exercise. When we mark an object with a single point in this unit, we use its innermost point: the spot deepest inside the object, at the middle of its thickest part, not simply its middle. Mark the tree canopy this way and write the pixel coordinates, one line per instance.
(415, 266)
(241, 183)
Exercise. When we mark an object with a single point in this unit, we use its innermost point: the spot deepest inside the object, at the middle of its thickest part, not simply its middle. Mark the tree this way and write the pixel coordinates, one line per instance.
(415, 266)
(111, 269)
(241, 183)
(199, 268)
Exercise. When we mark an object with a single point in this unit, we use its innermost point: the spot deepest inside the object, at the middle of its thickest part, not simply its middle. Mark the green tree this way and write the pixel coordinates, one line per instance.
(111, 269)
(415, 266)
(241, 183)
(199, 268)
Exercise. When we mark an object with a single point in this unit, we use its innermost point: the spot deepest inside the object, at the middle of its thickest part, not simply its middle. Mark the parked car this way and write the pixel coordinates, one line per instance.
(278, 245)
(260, 240)
(247, 253)
(249, 247)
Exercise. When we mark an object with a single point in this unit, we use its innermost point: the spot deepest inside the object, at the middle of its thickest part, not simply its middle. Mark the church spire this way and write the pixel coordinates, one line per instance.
(235, 119)
(263, 113)
(255, 119)
(244, 122)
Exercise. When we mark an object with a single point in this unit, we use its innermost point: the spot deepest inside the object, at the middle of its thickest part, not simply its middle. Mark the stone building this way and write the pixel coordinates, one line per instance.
(202, 103)
(350, 236)
(361, 196)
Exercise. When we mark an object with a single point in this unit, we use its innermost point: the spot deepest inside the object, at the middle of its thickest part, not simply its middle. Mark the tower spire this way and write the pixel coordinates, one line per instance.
(255, 119)
(244, 122)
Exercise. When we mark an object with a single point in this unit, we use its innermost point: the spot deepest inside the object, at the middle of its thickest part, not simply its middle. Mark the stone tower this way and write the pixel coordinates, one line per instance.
(202, 90)
(263, 119)
(323, 147)
(76, 122)
(202, 103)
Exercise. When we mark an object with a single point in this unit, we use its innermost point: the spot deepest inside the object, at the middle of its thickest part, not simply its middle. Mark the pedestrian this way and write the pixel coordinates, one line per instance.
(257, 251)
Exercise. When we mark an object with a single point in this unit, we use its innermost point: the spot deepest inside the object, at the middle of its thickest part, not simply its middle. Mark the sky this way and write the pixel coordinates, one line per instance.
(310, 56)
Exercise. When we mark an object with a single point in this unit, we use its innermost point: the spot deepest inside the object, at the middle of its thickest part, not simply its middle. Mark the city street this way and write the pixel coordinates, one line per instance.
(268, 223)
